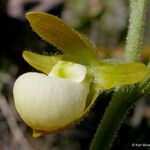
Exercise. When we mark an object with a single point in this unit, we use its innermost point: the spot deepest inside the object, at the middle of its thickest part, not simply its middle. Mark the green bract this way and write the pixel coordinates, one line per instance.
(85, 81)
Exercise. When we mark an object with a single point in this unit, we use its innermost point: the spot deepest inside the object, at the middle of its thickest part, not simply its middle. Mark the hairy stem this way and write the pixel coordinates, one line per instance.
(135, 32)
(122, 100)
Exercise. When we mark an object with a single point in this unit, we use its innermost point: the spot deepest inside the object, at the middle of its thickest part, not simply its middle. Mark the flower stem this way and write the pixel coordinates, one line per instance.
(136, 28)
(122, 100)
(125, 97)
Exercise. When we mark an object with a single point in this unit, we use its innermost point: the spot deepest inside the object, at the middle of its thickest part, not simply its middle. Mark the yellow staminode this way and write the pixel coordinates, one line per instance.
(69, 70)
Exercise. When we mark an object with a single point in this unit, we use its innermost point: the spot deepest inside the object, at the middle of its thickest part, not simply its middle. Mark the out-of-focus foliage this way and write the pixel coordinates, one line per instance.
(77, 13)
(105, 23)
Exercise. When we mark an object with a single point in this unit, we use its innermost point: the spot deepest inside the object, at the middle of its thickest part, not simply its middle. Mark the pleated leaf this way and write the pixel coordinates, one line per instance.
(57, 32)
(41, 62)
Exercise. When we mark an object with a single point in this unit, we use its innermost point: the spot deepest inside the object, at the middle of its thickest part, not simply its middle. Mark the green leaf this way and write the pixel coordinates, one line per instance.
(41, 62)
(56, 32)
(108, 76)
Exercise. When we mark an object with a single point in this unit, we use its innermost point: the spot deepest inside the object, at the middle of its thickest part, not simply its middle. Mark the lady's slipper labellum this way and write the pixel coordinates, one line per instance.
(49, 102)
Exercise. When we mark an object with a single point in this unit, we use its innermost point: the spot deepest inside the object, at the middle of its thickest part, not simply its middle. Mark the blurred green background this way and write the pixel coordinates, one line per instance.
(104, 22)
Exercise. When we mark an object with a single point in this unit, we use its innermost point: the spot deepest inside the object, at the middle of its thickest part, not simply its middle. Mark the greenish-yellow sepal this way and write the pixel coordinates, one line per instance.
(41, 62)
(108, 76)
(58, 33)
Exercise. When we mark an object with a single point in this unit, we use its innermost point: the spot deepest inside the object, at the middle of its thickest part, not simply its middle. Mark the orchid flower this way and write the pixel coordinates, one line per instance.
(69, 84)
